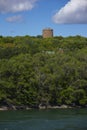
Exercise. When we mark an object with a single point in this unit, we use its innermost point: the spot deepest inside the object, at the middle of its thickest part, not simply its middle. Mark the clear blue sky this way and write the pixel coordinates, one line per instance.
(29, 17)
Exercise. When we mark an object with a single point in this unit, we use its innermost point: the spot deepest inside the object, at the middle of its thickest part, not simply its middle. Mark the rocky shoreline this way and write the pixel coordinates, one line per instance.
(5, 108)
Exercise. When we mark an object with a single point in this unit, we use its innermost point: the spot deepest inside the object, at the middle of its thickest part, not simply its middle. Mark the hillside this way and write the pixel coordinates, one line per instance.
(36, 71)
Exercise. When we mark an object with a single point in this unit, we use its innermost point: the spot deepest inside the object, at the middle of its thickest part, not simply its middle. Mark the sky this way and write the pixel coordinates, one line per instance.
(30, 17)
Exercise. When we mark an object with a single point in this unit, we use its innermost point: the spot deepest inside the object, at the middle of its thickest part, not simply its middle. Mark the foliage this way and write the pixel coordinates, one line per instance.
(51, 71)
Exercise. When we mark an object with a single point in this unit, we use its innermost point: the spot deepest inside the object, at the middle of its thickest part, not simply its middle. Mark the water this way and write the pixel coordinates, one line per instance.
(59, 119)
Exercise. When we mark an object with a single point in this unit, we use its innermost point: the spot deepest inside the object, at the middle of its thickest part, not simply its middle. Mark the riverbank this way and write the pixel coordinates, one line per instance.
(5, 108)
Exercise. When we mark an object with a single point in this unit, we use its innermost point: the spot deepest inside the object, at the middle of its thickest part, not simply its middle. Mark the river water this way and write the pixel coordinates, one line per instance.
(57, 119)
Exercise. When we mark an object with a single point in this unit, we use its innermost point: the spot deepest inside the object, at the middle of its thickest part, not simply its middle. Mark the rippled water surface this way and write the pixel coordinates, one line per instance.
(59, 119)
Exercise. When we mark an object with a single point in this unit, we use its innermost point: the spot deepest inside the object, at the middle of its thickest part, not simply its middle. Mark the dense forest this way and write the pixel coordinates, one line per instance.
(47, 71)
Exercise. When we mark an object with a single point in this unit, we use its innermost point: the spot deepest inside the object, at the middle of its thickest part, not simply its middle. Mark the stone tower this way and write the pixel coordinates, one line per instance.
(47, 33)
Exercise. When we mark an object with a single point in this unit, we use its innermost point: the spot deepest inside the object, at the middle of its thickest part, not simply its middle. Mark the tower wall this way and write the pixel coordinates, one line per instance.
(47, 33)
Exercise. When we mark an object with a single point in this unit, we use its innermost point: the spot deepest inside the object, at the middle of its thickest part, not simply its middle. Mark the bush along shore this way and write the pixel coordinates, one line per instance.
(43, 73)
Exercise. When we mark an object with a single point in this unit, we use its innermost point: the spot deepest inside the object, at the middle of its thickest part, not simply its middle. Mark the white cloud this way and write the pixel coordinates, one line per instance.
(16, 5)
(16, 18)
(75, 11)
